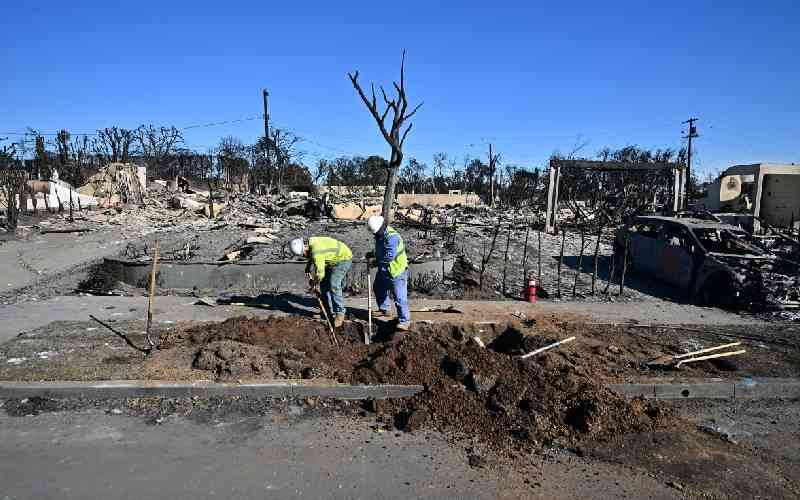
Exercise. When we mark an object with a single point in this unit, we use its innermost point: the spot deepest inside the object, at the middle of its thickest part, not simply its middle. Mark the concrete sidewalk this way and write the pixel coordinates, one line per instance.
(24, 262)
(23, 317)
(121, 389)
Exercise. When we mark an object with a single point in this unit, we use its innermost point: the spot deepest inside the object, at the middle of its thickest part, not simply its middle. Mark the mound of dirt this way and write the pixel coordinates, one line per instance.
(472, 392)
(277, 347)
(509, 402)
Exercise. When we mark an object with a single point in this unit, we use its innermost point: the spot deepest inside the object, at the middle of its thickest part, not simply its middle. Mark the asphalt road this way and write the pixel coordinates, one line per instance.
(94, 454)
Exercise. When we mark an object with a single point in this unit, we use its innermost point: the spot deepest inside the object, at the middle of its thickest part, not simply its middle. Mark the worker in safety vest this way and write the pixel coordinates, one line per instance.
(331, 260)
(392, 275)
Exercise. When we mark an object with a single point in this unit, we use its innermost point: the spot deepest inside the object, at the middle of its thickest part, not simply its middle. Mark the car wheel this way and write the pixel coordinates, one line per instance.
(716, 292)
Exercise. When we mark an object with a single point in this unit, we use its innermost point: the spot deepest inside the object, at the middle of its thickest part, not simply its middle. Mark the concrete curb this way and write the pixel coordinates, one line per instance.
(748, 388)
(115, 389)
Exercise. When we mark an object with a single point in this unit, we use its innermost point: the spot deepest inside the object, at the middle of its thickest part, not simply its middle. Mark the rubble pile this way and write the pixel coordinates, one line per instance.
(116, 183)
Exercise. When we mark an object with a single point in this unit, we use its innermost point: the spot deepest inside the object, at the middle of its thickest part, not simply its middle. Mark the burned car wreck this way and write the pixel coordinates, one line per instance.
(715, 263)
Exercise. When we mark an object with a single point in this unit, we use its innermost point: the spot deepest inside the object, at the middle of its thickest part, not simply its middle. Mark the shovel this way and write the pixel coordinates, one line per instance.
(668, 361)
(327, 319)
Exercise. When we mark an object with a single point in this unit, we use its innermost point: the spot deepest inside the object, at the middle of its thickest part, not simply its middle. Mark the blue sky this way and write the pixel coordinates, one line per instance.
(531, 79)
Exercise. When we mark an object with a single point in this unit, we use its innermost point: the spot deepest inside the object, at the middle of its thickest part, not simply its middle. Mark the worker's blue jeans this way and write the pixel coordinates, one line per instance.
(332, 286)
(385, 286)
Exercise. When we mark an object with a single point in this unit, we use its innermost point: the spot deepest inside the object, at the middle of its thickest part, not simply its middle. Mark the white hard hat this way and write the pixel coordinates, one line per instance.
(297, 246)
(375, 223)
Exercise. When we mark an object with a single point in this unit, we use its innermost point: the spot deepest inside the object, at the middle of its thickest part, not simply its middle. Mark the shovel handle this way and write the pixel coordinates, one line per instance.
(547, 347)
(710, 349)
(710, 356)
(327, 320)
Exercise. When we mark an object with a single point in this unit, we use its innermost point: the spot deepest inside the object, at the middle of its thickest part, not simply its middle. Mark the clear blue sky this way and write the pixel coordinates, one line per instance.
(531, 79)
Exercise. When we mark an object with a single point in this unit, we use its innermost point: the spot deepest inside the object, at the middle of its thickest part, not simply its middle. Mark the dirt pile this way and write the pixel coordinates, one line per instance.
(278, 347)
(509, 403)
(479, 393)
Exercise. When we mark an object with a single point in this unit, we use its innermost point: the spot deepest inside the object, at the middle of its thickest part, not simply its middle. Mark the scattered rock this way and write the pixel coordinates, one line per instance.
(674, 484)
(482, 384)
(476, 461)
(411, 420)
(456, 368)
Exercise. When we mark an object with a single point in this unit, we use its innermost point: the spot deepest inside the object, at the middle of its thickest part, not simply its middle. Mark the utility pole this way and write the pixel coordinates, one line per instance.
(265, 94)
(266, 113)
(492, 166)
(692, 133)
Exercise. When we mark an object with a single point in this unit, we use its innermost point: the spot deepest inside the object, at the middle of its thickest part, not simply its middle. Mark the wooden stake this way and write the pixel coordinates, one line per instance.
(560, 263)
(369, 306)
(152, 293)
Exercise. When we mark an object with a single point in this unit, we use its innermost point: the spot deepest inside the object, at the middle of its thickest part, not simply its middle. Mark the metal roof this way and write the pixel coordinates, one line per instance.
(690, 222)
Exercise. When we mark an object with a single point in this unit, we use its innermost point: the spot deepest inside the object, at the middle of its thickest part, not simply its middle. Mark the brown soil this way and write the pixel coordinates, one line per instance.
(505, 403)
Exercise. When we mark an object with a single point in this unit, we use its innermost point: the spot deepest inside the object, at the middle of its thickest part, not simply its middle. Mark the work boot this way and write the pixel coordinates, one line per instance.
(403, 327)
(381, 314)
(339, 321)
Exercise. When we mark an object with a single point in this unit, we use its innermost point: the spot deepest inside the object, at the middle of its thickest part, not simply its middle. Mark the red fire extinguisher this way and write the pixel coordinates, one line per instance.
(530, 291)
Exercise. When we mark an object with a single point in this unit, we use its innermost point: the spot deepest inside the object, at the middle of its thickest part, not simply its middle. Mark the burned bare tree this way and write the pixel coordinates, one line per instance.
(13, 180)
(486, 256)
(395, 136)
(114, 144)
(493, 159)
(157, 144)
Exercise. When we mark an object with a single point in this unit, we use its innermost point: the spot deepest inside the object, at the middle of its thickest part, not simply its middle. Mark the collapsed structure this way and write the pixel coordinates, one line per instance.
(748, 195)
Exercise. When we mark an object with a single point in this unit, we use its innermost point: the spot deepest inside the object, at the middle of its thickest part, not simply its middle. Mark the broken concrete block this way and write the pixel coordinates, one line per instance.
(217, 208)
(178, 202)
(352, 211)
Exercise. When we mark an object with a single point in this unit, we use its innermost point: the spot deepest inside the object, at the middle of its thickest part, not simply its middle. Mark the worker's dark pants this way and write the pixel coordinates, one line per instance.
(386, 286)
(332, 286)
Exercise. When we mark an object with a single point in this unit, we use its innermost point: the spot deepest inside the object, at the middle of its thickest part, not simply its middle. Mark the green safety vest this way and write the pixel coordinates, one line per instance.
(327, 251)
(400, 261)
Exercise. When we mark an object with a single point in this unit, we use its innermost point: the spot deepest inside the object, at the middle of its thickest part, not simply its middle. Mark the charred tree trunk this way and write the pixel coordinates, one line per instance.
(624, 268)
(485, 258)
(539, 258)
(394, 135)
(611, 272)
(580, 262)
(525, 256)
(560, 263)
(505, 259)
(596, 257)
